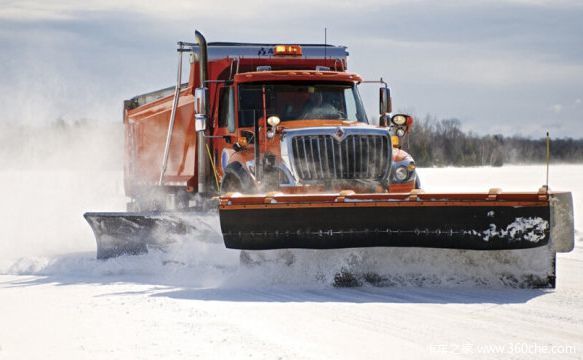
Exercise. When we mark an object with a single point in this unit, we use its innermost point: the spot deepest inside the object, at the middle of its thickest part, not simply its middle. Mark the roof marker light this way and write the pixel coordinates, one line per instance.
(290, 50)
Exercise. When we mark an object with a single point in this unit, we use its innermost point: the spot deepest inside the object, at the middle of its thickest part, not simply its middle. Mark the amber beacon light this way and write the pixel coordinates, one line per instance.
(289, 50)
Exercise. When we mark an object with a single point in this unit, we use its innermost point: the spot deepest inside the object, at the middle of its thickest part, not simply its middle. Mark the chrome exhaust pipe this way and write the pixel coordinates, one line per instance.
(203, 117)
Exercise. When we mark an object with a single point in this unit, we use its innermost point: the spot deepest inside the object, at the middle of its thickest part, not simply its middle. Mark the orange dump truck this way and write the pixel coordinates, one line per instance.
(276, 138)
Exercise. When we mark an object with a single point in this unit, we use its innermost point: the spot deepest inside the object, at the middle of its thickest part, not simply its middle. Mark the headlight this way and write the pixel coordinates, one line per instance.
(401, 173)
(273, 120)
(400, 132)
(399, 119)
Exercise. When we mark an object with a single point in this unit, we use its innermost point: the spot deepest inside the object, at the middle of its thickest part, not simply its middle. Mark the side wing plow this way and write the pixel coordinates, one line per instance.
(134, 233)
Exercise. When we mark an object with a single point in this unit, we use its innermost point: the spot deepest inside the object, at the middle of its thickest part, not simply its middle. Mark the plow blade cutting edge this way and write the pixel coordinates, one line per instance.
(499, 221)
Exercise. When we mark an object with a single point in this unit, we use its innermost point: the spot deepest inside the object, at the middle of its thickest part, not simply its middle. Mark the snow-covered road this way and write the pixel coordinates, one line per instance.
(122, 316)
(57, 302)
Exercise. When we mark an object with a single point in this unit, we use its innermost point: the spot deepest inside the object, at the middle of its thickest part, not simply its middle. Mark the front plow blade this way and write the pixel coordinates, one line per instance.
(134, 233)
(491, 221)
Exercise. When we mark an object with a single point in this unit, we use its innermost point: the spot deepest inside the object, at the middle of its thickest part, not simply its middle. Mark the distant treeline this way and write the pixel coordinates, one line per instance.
(91, 144)
(435, 142)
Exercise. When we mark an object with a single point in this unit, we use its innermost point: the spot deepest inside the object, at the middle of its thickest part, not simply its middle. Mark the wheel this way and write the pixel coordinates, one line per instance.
(237, 179)
(230, 184)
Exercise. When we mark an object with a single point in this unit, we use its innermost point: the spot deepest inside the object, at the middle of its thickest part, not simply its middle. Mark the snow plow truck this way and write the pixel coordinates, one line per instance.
(274, 138)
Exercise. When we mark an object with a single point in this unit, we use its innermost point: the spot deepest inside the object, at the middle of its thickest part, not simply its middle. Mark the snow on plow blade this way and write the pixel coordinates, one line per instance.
(480, 221)
(134, 233)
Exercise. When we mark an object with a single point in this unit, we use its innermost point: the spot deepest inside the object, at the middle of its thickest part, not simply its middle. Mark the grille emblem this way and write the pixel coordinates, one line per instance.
(339, 135)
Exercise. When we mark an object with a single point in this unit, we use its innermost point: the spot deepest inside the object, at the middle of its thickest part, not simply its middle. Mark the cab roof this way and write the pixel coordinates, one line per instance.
(297, 75)
(221, 50)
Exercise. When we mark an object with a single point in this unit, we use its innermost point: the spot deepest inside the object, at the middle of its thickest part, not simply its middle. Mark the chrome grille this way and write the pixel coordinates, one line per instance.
(323, 157)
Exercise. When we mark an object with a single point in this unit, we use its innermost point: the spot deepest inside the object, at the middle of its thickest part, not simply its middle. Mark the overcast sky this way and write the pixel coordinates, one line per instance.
(512, 67)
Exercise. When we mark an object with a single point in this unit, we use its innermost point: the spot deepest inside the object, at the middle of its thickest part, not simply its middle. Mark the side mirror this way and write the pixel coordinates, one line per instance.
(385, 104)
(200, 109)
(200, 101)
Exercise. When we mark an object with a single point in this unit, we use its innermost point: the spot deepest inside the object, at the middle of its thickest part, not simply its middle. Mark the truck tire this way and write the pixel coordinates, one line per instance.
(237, 179)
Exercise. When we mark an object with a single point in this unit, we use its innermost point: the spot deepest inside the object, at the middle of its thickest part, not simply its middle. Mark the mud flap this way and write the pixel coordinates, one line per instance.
(127, 233)
(319, 222)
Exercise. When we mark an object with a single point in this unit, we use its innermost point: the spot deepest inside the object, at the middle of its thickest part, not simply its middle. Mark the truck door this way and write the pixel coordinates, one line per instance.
(223, 145)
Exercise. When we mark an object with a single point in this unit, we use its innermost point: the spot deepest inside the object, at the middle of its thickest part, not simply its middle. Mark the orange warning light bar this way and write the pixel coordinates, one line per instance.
(290, 50)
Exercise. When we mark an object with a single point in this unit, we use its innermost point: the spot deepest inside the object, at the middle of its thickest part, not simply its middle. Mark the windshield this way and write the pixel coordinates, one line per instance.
(300, 102)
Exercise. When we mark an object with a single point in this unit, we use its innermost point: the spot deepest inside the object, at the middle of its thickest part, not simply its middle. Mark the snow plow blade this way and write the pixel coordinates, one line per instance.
(134, 233)
(479, 221)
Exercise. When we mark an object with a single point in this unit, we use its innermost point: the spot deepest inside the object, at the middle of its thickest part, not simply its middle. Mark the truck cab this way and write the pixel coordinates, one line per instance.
(313, 135)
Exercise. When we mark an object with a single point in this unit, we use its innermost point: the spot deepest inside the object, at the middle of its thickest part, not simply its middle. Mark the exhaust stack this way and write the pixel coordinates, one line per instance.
(201, 117)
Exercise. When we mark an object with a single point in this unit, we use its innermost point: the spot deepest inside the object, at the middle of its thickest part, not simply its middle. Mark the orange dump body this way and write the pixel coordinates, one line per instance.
(145, 135)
